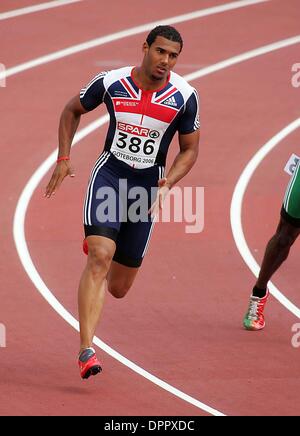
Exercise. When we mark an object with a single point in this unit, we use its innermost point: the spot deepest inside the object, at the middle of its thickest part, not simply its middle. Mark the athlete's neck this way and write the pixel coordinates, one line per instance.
(145, 82)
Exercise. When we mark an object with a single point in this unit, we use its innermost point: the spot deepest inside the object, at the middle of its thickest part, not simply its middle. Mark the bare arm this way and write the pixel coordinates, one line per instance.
(186, 158)
(68, 125)
(184, 161)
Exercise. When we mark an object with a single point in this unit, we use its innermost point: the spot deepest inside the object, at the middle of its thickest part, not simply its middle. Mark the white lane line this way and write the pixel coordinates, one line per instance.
(236, 211)
(22, 249)
(124, 34)
(243, 57)
(35, 8)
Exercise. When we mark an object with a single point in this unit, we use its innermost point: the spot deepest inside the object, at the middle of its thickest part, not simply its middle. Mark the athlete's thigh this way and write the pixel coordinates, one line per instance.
(101, 207)
(135, 231)
(132, 243)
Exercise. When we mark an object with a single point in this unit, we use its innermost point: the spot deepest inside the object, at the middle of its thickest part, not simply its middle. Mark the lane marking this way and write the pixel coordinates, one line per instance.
(236, 211)
(243, 57)
(36, 8)
(22, 249)
(124, 34)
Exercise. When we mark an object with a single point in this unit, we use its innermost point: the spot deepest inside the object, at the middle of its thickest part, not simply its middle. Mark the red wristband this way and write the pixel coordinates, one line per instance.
(60, 159)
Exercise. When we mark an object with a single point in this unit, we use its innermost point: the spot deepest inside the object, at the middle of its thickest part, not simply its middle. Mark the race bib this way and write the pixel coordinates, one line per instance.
(292, 164)
(136, 145)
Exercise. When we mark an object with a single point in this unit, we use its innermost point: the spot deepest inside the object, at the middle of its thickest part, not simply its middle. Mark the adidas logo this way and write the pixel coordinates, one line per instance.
(170, 101)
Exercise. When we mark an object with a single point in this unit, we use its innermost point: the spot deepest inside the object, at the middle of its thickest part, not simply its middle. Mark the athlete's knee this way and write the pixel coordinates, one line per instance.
(284, 239)
(99, 259)
(118, 290)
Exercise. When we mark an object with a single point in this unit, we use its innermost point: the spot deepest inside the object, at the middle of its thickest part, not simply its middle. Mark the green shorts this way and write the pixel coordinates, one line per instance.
(291, 205)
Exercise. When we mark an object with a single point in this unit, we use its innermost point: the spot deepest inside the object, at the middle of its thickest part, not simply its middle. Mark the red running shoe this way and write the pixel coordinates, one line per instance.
(88, 363)
(254, 318)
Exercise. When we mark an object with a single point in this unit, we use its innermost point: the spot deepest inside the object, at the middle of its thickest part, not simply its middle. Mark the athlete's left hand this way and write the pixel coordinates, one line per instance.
(163, 190)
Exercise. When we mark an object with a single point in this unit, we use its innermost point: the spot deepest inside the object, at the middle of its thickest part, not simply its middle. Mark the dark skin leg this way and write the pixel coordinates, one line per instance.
(277, 251)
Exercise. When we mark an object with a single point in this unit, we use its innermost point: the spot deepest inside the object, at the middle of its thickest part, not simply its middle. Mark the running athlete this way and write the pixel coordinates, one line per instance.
(147, 106)
(276, 253)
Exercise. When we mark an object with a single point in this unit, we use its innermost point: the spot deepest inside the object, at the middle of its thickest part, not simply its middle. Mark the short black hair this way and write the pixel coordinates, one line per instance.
(167, 32)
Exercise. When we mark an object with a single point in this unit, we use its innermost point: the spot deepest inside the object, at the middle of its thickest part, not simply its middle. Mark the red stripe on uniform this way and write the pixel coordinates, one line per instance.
(128, 89)
(161, 98)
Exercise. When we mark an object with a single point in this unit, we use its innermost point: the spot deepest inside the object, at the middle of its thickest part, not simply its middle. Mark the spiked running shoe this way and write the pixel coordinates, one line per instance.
(88, 363)
(254, 318)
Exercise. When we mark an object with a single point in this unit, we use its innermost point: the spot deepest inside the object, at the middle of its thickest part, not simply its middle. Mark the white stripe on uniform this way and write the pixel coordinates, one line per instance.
(88, 201)
(99, 76)
(161, 174)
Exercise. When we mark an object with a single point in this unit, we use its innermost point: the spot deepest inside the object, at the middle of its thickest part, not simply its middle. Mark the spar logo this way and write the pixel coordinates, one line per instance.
(154, 134)
(138, 130)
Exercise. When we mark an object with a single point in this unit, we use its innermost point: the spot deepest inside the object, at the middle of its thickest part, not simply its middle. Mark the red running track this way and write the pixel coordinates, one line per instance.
(182, 319)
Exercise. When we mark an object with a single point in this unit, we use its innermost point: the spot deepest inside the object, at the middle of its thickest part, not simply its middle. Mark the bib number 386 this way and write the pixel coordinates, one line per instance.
(135, 144)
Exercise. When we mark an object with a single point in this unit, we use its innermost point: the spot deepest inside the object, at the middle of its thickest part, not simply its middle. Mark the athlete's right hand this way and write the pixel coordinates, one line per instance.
(62, 170)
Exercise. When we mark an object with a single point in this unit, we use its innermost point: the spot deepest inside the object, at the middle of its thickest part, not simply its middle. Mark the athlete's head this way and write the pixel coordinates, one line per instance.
(161, 50)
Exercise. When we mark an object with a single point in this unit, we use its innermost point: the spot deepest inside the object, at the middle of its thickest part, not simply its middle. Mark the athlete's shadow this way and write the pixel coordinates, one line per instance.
(77, 390)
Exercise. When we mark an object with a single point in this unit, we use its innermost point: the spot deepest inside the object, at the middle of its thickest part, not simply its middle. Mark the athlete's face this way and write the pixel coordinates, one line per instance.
(160, 58)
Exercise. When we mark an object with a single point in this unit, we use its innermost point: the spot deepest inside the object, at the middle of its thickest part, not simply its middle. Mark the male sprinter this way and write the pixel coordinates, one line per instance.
(147, 105)
(277, 252)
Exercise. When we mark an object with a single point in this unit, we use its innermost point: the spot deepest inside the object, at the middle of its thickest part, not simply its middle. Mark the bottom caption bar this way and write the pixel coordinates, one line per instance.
(136, 425)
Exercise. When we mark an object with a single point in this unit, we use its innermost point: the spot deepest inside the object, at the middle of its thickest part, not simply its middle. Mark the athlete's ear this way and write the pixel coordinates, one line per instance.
(145, 47)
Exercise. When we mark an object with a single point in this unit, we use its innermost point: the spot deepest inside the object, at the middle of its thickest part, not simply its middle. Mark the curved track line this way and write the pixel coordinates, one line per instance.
(22, 249)
(35, 8)
(124, 34)
(236, 211)
(243, 57)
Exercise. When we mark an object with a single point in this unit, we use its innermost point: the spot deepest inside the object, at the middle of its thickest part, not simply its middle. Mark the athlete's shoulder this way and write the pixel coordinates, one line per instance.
(118, 74)
(182, 85)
